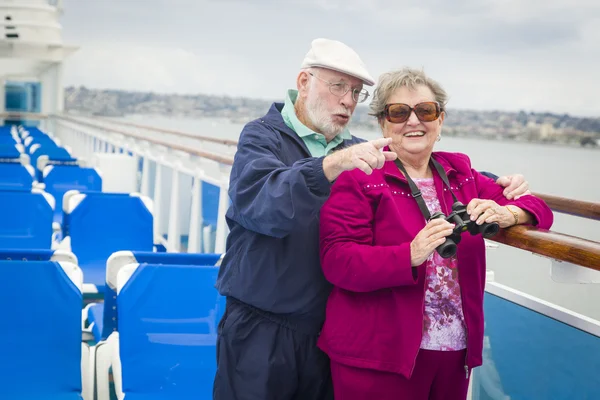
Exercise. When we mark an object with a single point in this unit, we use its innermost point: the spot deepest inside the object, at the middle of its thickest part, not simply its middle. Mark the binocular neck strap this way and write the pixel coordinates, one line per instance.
(416, 193)
(442, 174)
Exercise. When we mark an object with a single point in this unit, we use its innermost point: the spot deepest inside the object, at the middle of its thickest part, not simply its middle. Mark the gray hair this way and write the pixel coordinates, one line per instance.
(405, 77)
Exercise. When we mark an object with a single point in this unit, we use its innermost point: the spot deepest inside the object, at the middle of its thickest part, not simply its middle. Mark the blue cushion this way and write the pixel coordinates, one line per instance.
(62, 178)
(53, 152)
(35, 131)
(104, 223)
(26, 254)
(26, 220)
(110, 324)
(41, 338)
(168, 330)
(94, 269)
(14, 176)
(110, 313)
(66, 216)
(176, 258)
(43, 141)
(8, 149)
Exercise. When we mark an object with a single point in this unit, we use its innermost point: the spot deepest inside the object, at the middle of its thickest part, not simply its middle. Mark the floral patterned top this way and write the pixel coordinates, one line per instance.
(443, 323)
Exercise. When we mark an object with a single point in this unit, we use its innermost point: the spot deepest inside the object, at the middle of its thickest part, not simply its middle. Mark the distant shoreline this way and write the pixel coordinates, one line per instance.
(453, 132)
(530, 127)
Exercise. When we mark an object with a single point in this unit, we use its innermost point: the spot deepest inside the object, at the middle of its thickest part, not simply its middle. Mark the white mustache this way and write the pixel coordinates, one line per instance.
(342, 112)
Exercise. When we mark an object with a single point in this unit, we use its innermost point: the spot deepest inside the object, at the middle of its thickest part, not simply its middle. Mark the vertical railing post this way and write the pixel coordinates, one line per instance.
(90, 147)
(158, 200)
(194, 245)
(80, 148)
(145, 189)
(138, 173)
(207, 244)
(174, 239)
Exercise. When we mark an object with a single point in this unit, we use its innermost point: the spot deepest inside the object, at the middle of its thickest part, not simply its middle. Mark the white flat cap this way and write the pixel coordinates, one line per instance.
(331, 54)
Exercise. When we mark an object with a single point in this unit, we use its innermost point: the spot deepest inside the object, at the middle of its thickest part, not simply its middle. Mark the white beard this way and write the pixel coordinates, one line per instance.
(320, 117)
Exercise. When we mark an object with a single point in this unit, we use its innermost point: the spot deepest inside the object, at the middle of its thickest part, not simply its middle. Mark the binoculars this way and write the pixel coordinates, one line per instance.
(462, 222)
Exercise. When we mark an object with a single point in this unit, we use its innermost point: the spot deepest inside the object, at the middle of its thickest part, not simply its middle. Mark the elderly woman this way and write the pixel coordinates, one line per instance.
(405, 317)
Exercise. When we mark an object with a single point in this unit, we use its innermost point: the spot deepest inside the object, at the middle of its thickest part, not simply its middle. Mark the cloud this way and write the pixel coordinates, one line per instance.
(134, 67)
(501, 54)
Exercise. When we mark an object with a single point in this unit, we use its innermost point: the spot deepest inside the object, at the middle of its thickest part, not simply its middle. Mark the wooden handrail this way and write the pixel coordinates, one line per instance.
(552, 244)
(203, 154)
(226, 142)
(584, 209)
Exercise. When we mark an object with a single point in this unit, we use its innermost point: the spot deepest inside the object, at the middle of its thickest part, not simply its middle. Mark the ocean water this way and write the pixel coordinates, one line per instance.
(550, 169)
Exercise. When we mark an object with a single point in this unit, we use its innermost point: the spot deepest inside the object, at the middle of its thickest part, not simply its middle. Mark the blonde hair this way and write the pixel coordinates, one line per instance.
(405, 77)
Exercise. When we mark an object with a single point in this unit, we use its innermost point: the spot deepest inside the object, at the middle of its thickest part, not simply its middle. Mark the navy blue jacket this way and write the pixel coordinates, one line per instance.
(276, 190)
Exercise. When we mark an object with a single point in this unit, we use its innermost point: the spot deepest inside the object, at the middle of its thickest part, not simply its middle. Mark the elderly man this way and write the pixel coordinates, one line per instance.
(271, 274)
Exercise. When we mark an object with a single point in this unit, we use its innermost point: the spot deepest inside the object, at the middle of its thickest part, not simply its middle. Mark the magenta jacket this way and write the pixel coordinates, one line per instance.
(374, 313)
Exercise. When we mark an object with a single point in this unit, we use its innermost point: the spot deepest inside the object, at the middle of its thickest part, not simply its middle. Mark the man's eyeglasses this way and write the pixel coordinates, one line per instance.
(398, 113)
(340, 89)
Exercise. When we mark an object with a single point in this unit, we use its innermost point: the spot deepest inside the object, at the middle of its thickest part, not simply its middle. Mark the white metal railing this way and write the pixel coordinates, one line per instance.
(178, 200)
(212, 145)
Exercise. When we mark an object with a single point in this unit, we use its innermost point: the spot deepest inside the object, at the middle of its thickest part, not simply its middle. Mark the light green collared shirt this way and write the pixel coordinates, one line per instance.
(316, 142)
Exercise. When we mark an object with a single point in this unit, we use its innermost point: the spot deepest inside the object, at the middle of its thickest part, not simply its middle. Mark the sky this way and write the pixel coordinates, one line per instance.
(508, 55)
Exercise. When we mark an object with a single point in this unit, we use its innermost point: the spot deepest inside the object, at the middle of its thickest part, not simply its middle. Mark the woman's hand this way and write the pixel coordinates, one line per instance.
(515, 186)
(489, 211)
(426, 241)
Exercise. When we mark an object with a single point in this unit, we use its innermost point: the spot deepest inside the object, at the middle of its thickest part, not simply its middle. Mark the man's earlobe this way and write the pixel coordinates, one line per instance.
(302, 81)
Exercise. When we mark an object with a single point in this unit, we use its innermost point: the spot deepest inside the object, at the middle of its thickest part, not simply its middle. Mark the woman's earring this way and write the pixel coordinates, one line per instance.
(439, 138)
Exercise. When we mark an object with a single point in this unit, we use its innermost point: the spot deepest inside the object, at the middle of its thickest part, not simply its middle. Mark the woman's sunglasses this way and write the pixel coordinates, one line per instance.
(398, 113)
